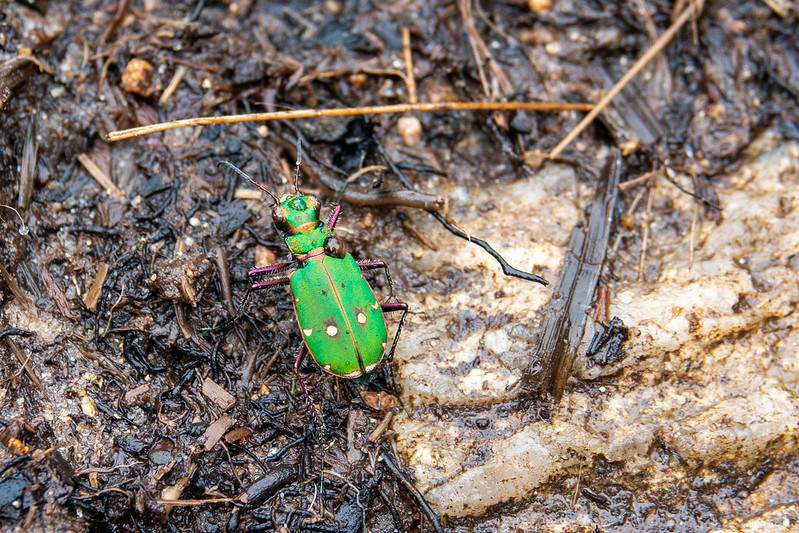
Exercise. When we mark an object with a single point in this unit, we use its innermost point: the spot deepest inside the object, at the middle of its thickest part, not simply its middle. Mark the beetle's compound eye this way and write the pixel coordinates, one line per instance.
(280, 218)
(335, 247)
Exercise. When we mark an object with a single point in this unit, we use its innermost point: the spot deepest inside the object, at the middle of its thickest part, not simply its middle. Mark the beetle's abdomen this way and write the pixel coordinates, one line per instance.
(339, 315)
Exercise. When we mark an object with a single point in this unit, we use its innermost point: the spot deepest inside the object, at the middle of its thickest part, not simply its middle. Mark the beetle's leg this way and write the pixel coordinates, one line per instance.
(389, 308)
(372, 264)
(271, 282)
(333, 218)
(267, 269)
(303, 351)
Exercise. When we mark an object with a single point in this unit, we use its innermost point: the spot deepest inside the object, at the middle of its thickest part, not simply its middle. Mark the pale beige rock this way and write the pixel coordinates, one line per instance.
(711, 371)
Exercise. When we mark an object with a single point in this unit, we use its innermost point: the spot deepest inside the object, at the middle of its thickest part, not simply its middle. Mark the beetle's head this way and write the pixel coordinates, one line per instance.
(296, 213)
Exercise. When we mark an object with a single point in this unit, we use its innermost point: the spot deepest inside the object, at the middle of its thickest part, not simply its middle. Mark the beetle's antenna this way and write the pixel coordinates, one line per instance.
(297, 167)
(247, 177)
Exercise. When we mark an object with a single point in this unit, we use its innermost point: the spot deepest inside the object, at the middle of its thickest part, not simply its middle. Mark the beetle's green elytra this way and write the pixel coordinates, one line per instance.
(339, 316)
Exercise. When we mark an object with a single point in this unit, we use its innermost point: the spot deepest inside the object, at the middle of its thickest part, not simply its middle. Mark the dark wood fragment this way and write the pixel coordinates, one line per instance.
(568, 312)
(13, 73)
(270, 484)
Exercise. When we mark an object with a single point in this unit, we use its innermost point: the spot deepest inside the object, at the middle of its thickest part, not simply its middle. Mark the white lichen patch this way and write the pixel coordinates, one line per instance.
(710, 373)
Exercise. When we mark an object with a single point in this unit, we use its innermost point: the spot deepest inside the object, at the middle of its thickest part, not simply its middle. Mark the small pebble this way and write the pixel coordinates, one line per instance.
(138, 77)
(552, 48)
(263, 131)
(539, 6)
(358, 80)
(410, 129)
(368, 220)
(88, 406)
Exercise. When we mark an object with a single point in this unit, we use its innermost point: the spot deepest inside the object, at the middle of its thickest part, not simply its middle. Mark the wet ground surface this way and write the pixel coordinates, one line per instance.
(142, 386)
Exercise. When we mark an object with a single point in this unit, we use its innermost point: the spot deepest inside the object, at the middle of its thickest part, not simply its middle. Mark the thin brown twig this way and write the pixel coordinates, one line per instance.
(640, 179)
(365, 170)
(220, 259)
(465, 7)
(655, 49)
(692, 238)
(402, 197)
(645, 237)
(577, 486)
(173, 84)
(426, 107)
(13, 286)
(410, 79)
(194, 503)
(119, 16)
(100, 177)
(28, 167)
(25, 364)
(348, 71)
(481, 51)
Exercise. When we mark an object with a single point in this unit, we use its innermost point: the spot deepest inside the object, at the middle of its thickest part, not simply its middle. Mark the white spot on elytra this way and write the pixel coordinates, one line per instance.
(307, 332)
(361, 318)
(331, 331)
(384, 345)
(376, 305)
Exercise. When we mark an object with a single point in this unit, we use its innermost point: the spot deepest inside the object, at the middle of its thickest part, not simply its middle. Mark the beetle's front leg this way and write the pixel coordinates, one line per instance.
(267, 269)
(271, 282)
(332, 220)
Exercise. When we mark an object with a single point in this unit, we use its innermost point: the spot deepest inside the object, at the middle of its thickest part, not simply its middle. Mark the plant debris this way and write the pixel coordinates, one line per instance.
(146, 386)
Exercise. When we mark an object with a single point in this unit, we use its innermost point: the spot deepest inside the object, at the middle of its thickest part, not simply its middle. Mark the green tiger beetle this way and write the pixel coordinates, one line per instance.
(339, 316)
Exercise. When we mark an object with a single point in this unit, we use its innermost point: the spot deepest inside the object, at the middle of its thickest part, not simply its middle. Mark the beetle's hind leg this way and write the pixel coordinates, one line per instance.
(390, 308)
(301, 353)
(373, 264)
(267, 269)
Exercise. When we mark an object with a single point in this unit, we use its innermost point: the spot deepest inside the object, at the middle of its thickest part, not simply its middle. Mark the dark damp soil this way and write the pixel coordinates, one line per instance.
(138, 369)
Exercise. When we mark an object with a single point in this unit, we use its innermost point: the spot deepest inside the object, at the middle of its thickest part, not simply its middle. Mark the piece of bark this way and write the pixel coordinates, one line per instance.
(217, 394)
(551, 362)
(133, 395)
(216, 430)
(92, 297)
(238, 434)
